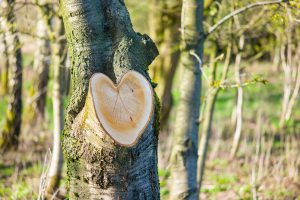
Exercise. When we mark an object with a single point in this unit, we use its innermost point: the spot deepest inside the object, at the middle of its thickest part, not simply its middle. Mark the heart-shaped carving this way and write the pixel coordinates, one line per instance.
(124, 110)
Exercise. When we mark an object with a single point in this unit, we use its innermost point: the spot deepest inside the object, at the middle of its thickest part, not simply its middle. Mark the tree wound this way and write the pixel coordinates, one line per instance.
(124, 110)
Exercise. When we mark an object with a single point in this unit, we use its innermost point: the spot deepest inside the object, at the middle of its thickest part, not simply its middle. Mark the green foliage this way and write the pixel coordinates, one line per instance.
(18, 190)
(218, 162)
(223, 182)
(6, 171)
(278, 19)
(245, 191)
(294, 4)
(157, 111)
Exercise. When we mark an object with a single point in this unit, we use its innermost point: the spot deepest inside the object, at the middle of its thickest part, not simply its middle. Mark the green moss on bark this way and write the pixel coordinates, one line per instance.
(157, 111)
(101, 39)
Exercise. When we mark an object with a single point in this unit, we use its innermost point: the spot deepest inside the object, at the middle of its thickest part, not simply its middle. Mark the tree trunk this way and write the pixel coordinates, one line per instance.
(185, 148)
(101, 39)
(58, 61)
(287, 65)
(276, 53)
(165, 31)
(41, 67)
(206, 133)
(239, 104)
(208, 114)
(287, 85)
(5, 68)
(9, 134)
(171, 55)
(164, 27)
(156, 31)
(296, 89)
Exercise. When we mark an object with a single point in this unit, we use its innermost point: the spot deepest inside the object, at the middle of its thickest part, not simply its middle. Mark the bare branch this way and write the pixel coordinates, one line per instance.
(241, 10)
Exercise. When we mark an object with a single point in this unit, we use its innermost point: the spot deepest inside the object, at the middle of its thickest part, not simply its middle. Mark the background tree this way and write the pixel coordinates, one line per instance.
(10, 131)
(5, 67)
(164, 28)
(41, 66)
(239, 102)
(209, 106)
(289, 55)
(59, 86)
(185, 147)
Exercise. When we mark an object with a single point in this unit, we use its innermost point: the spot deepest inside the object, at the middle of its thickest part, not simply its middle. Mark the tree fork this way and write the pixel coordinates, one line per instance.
(101, 39)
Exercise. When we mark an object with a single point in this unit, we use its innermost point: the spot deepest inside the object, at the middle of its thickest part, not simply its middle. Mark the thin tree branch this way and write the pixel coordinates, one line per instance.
(200, 64)
(241, 10)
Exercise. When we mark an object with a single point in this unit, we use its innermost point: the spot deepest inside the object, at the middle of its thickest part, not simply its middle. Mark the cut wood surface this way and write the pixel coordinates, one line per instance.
(125, 109)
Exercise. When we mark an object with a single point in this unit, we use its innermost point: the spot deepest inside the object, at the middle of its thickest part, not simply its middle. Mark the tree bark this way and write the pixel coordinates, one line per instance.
(296, 89)
(287, 84)
(206, 133)
(41, 67)
(289, 62)
(164, 29)
(58, 62)
(276, 53)
(208, 113)
(101, 39)
(239, 103)
(164, 25)
(9, 134)
(185, 148)
(5, 68)
(291, 67)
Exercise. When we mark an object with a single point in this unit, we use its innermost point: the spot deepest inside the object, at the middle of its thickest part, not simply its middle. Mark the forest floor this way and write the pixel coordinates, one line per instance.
(273, 176)
(266, 167)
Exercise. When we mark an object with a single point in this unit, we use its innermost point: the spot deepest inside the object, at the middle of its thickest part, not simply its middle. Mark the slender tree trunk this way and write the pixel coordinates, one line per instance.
(208, 114)
(156, 31)
(9, 133)
(239, 104)
(171, 53)
(101, 39)
(184, 152)
(296, 89)
(41, 67)
(58, 61)
(67, 75)
(207, 118)
(206, 132)
(5, 68)
(164, 28)
(286, 61)
(276, 56)
(287, 89)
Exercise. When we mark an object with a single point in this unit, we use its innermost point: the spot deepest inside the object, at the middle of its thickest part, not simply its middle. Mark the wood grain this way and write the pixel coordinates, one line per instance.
(125, 109)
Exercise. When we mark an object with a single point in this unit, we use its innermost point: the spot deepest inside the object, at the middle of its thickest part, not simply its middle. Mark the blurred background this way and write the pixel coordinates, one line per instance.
(250, 108)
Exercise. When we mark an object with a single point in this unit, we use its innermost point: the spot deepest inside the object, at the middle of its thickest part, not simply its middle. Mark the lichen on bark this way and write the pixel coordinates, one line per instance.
(101, 39)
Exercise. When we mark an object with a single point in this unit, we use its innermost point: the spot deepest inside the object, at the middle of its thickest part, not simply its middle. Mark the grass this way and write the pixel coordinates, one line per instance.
(17, 183)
